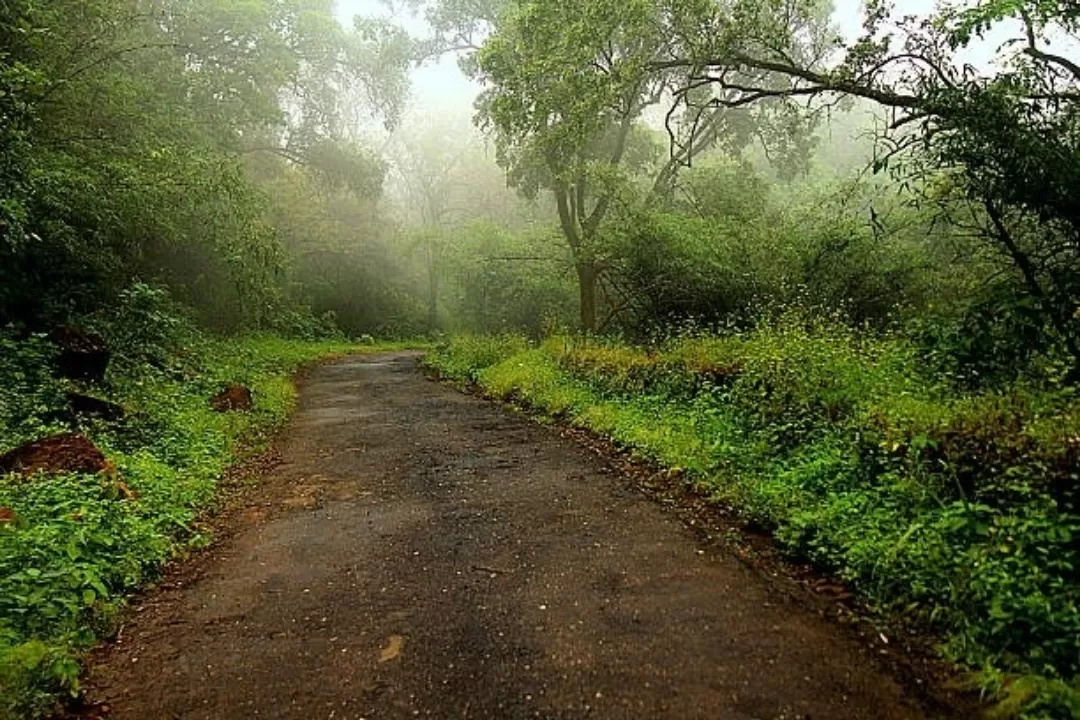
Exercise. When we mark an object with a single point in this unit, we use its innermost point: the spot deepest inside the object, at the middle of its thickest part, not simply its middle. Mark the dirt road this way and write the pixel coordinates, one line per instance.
(422, 553)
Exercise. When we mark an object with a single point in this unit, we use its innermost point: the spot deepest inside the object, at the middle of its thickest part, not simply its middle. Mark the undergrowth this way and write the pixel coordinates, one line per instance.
(954, 511)
(78, 544)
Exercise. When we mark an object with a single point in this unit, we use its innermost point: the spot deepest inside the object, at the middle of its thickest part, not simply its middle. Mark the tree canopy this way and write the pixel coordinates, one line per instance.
(129, 125)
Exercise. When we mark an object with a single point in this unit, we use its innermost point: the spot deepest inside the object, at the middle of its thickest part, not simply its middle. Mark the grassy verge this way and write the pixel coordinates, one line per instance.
(955, 511)
(77, 544)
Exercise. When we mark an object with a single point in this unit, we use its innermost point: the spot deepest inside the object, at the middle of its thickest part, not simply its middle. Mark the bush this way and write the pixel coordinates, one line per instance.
(463, 357)
(29, 395)
(302, 324)
(145, 325)
(730, 240)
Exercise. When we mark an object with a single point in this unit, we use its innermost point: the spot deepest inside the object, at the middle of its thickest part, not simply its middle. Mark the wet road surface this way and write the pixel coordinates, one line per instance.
(423, 553)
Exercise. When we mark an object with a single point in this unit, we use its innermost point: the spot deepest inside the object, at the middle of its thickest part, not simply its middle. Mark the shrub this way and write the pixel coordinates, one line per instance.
(463, 357)
(29, 395)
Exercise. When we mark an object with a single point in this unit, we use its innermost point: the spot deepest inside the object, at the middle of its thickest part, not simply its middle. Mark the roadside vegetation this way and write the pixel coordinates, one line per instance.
(943, 509)
(73, 544)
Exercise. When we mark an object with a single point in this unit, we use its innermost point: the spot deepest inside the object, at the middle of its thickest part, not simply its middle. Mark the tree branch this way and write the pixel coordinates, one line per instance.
(566, 217)
(1033, 51)
(820, 82)
(597, 216)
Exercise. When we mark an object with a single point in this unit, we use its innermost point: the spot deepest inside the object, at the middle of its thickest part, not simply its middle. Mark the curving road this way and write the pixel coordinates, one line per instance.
(423, 553)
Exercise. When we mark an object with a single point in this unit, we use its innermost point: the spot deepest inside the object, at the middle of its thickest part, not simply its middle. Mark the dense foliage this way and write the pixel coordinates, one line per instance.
(992, 155)
(134, 136)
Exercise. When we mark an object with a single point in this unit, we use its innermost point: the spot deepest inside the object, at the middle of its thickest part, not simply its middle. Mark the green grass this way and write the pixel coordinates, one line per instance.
(79, 547)
(952, 511)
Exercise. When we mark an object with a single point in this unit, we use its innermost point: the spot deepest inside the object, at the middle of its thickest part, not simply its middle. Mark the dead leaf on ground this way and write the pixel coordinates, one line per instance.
(394, 647)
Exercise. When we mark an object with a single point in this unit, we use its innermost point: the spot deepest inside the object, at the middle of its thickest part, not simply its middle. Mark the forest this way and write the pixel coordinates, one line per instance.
(821, 262)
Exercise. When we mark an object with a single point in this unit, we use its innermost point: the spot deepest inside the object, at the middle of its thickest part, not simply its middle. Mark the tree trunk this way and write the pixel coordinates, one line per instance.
(433, 299)
(587, 277)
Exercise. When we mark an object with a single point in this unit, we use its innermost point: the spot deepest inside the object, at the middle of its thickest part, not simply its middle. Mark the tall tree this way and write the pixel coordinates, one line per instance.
(445, 180)
(567, 88)
(566, 84)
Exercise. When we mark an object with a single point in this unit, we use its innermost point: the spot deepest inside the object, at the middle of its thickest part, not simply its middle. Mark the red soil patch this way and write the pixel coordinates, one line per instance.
(67, 453)
(234, 397)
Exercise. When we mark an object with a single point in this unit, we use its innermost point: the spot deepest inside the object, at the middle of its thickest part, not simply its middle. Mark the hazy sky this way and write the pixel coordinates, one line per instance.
(436, 85)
